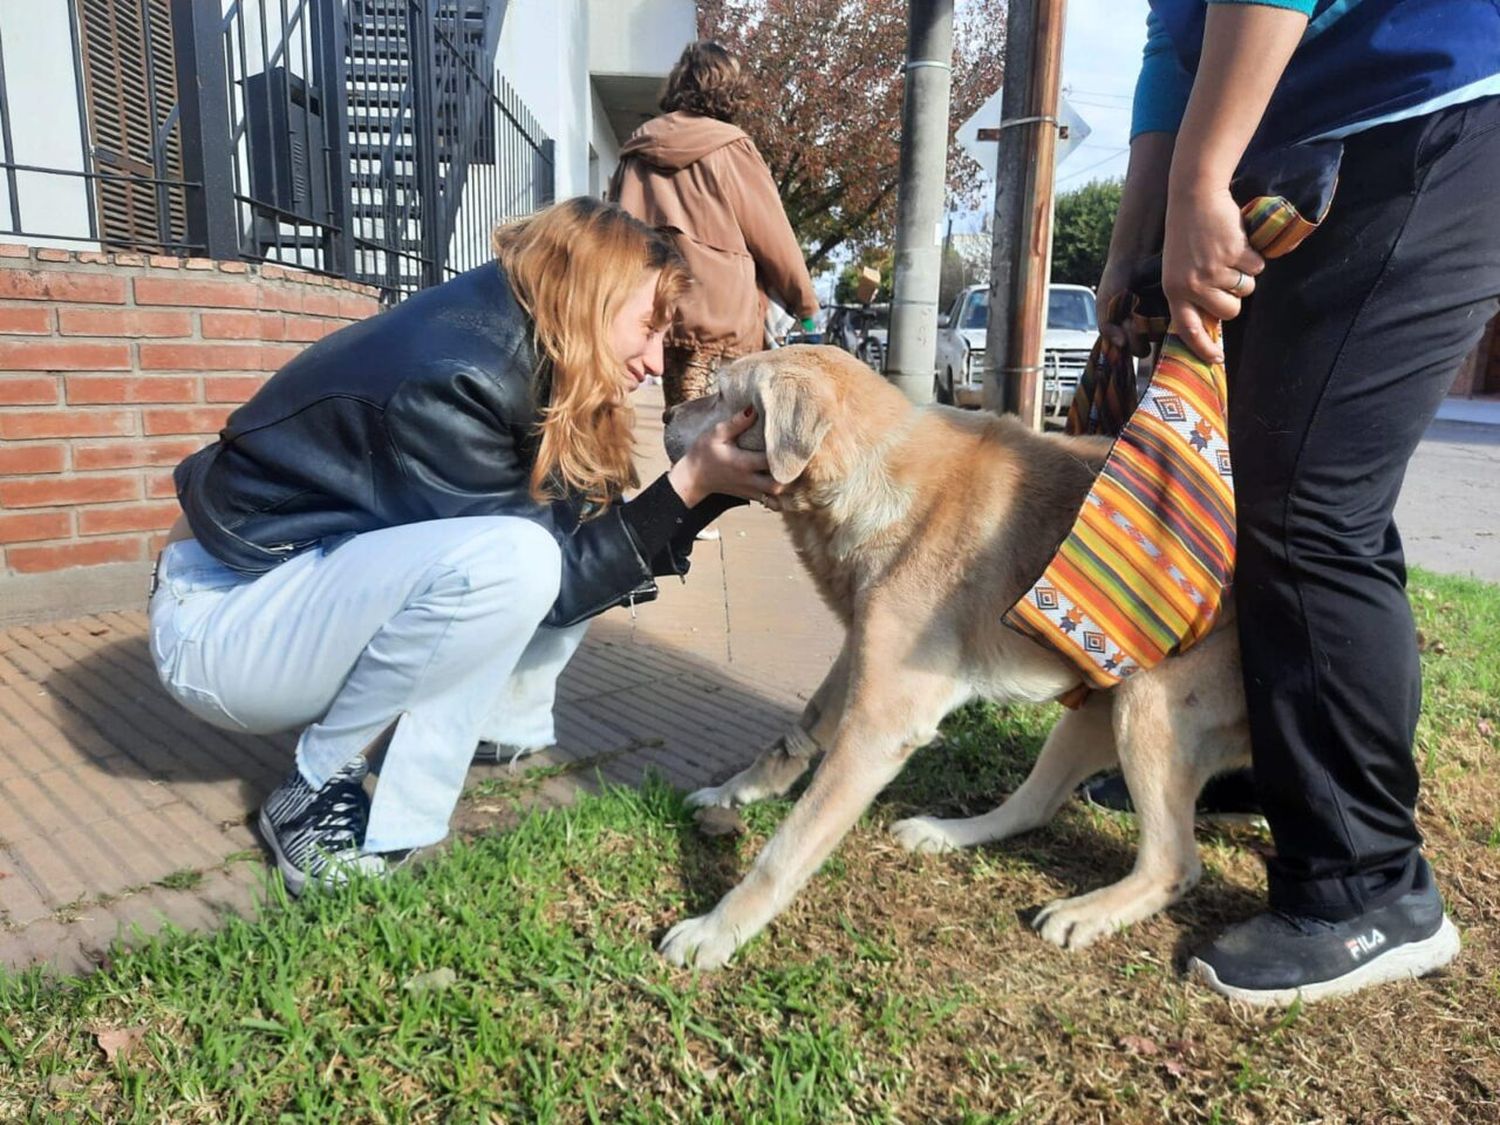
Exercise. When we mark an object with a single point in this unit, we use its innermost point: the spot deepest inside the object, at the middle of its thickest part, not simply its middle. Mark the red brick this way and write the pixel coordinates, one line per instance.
(93, 257)
(37, 560)
(275, 273)
(201, 357)
(233, 267)
(44, 492)
(206, 294)
(49, 254)
(160, 486)
(40, 391)
(185, 420)
(243, 326)
(55, 355)
(155, 543)
(358, 307)
(199, 263)
(26, 319)
(22, 424)
(165, 261)
(24, 460)
(321, 304)
(82, 389)
(231, 388)
(130, 259)
(123, 322)
(126, 517)
(55, 285)
(282, 298)
(31, 526)
(133, 454)
(306, 329)
(273, 357)
(11, 250)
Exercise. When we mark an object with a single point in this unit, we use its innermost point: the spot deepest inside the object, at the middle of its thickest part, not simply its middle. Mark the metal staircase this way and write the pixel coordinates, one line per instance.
(409, 166)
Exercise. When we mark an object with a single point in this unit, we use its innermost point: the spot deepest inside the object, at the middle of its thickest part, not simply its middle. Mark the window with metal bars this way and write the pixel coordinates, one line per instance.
(130, 82)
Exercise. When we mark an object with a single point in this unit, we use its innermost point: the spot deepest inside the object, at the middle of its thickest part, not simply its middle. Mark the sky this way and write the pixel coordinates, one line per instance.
(1101, 57)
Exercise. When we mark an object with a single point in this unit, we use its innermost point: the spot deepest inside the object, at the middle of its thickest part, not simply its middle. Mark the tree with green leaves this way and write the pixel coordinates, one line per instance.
(1082, 221)
(825, 112)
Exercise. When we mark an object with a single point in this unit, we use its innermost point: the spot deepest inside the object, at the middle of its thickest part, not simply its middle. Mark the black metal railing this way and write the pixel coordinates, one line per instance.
(368, 139)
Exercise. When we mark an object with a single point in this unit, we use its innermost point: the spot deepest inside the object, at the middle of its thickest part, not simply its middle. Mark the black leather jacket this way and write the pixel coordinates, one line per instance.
(426, 411)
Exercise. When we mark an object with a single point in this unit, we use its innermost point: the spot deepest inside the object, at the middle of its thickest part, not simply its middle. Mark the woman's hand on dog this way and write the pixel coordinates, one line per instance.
(715, 464)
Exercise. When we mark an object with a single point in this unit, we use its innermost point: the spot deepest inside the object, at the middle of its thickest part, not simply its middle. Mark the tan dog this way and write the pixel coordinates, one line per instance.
(921, 527)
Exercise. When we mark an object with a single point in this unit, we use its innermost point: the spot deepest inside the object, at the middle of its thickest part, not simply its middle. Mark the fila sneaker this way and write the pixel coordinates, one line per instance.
(1274, 957)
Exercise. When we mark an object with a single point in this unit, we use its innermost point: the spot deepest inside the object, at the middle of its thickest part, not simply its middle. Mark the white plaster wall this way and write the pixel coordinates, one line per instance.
(544, 54)
(40, 79)
(639, 36)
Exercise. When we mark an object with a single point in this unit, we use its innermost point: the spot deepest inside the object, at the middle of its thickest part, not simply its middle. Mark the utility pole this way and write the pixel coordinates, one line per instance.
(911, 356)
(1020, 260)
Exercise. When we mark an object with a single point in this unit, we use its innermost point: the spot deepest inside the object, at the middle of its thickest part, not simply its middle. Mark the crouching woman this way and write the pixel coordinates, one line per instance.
(399, 540)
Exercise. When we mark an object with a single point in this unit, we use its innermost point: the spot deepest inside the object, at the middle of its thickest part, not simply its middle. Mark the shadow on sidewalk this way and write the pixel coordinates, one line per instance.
(624, 706)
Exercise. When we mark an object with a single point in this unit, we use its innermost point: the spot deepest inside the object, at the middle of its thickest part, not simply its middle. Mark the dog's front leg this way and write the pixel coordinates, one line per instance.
(1081, 743)
(892, 710)
(779, 765)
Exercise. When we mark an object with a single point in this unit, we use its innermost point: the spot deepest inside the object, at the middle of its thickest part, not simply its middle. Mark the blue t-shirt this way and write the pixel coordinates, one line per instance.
(1360, 63)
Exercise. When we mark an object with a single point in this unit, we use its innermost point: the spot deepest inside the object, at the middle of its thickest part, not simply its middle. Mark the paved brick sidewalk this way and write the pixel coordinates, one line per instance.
(118, 809)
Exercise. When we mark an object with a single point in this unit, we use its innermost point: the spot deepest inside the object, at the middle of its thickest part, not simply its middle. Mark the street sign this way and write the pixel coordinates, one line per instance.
(980, 134)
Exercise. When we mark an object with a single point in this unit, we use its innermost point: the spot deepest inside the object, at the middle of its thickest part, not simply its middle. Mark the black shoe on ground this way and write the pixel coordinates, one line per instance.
(316, 834)
(1227, 798)
(1274, 958)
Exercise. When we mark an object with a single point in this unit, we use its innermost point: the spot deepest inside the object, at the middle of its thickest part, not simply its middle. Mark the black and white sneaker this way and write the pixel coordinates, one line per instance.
(1274, 958)
(316, 834)
(498, 753)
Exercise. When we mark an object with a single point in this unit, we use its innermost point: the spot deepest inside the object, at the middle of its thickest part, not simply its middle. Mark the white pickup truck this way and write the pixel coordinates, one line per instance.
(1070, 335)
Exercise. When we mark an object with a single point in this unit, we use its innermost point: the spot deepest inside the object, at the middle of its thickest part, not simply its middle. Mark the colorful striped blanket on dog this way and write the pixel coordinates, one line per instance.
(1145, 569)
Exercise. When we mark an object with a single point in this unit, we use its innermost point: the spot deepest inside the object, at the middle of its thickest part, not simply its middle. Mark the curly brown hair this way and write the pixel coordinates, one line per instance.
(706, 80)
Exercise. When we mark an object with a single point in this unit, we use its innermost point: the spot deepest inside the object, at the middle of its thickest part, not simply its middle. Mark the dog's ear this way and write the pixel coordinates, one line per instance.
(796, 412)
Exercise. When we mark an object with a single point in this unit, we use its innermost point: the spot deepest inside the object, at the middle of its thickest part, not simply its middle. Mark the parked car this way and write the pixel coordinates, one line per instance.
(861, 330)
(1070, 335)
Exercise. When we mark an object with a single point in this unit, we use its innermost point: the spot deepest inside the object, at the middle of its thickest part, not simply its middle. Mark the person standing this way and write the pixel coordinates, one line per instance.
(693, 174)
(1338, 355)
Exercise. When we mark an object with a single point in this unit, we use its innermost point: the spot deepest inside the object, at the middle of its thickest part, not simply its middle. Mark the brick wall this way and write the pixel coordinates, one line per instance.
(113, 367)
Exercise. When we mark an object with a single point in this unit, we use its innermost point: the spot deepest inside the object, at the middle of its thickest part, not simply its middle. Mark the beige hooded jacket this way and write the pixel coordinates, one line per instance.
(702, 181)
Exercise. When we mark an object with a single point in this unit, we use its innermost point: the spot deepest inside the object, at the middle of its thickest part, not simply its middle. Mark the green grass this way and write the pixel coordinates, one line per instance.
(515, 979)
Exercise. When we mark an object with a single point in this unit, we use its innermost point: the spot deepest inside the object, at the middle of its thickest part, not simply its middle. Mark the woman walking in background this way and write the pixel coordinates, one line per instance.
(693, 174)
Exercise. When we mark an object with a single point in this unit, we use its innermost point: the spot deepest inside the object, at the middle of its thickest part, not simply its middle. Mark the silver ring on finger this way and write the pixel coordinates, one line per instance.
(1235, 289)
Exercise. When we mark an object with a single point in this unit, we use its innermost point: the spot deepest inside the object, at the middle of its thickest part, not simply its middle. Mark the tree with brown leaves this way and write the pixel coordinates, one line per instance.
(825, 111)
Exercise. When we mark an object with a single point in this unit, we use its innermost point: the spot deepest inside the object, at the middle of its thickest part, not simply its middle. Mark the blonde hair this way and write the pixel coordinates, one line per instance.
(572, 267)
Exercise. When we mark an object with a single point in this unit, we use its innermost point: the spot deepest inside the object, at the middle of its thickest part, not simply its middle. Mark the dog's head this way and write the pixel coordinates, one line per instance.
(800, 394)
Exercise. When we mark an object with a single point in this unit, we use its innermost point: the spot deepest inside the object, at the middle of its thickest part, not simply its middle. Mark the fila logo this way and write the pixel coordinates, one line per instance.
(1364, 944)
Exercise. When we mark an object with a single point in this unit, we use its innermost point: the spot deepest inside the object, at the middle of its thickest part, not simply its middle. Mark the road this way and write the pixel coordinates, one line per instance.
(1449, 512)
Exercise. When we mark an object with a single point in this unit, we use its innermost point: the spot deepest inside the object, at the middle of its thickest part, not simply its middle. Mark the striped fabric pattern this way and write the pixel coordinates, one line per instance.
(1144, 570)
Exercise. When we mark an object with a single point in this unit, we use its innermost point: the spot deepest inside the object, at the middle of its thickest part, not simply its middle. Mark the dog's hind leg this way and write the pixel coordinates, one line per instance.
(1168, 726)
(1080, 744)
(894, 708)
(779, 765)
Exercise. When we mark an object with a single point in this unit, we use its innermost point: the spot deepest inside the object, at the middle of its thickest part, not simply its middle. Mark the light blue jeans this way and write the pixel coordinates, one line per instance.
(434, 627)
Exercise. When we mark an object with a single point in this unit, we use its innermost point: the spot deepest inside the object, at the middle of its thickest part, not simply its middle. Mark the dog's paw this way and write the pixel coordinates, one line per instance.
(699, 943)
(1075, 923)
(922, 834)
